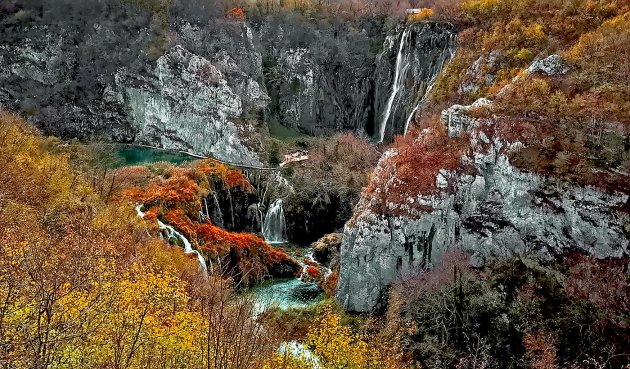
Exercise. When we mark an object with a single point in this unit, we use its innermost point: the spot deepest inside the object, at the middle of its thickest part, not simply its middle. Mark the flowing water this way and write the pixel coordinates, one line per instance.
(299, 350)
(440, 66)
(396, 85)
(172, 233)
(292, 293)
(274, 226)
(285, 294)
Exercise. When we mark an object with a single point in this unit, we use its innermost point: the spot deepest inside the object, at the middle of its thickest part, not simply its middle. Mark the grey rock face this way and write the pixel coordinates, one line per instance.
(552, 65)
(498, 212)
(186, 104)
(179, 101)
(320, 78)
(313, 78)
(234, 49)
(482, 72)
(297, 103)
(456, 119)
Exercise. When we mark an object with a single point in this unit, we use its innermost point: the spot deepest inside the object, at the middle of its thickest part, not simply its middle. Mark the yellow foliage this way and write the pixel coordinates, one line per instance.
(423, 14)
(337, 347)
(332, 346)
(83, 286)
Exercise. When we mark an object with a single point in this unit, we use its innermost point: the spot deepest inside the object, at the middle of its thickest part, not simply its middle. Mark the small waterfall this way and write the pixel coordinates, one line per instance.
(274, 225)
(309, 256)
(440, 66)
(217, 214)
(395, 85)
(173, 233)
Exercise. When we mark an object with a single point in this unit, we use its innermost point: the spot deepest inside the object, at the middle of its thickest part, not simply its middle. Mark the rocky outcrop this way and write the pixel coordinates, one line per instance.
(482, 73)
(552, 65)
(492, 210)
(326, 249)
(457, 121)
(185, 104)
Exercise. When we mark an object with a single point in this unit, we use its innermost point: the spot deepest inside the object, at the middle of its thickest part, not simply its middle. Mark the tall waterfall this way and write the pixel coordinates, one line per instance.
(421, 50)
(274, 225)
(447, 54)
(173, 233)
(396, 84)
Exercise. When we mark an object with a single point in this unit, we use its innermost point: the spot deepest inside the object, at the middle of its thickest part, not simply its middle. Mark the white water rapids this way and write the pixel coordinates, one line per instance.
(174, 233)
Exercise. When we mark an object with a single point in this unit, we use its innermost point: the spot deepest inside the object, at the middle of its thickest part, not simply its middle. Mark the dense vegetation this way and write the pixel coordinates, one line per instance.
(573, 126)
(85, 283)
(516, 313)
(328, 185)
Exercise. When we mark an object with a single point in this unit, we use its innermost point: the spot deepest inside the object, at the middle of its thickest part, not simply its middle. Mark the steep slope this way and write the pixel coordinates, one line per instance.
(535, 172)
(123, 72)
(487, 207)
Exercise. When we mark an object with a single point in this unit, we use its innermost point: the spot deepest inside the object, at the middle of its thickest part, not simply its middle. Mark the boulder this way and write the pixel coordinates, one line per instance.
(552, 65)
(327, 248)
(306, 291)
(457, 120)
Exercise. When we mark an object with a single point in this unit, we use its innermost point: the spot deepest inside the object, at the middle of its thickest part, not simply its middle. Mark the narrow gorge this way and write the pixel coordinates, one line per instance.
(276, 184)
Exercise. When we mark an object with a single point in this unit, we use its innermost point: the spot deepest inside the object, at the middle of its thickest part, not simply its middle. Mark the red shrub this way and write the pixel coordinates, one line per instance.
(179, 220)
(330, 284)
(413, 170)
(603, 283)
(313, 272)
(541, 350)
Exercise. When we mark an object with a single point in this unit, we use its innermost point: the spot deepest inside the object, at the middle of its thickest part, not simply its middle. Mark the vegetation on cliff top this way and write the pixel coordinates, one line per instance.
(573, 126)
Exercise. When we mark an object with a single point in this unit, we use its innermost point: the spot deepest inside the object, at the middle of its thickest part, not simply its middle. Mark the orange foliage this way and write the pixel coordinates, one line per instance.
(541, 350)
(414, 169)
(151, 214)
(179, 220)
(176, 194)
(237, 13)
(311, 263)
(250, 255)
(313, 272)
(330, 284)
(231, 178)
(423, 14)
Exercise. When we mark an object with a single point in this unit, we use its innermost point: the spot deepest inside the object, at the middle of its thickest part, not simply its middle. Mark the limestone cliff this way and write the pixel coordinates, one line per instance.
(491, 209)
(211, 88)
(186, 104)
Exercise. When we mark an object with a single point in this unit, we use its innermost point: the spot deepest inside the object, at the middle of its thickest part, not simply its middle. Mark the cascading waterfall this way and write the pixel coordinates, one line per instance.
(173, 233)
(309, 257)
(445, 59)
(274, 225)
(396, 83)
